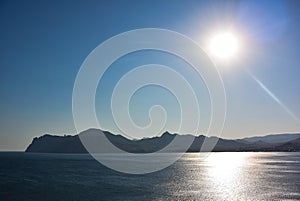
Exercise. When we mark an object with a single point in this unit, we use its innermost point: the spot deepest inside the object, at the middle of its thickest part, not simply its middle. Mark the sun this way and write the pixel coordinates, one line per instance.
(224, 45)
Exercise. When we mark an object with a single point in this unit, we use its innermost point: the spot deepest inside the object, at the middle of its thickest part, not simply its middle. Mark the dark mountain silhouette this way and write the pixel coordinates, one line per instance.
(72, 144)
(293, 145)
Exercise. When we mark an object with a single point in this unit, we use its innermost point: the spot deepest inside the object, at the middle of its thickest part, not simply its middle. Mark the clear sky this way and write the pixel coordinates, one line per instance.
(43, 44)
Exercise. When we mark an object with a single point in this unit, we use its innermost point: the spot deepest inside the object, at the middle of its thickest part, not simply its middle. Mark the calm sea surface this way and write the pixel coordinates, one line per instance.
(221, 176)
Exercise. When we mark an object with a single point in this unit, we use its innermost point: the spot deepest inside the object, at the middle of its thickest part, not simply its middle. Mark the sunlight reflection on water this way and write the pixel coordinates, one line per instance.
(226, 172)
(241, 176)
(221, 176)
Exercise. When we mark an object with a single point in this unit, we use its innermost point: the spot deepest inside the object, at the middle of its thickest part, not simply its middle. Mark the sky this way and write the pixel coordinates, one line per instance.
(44, 43)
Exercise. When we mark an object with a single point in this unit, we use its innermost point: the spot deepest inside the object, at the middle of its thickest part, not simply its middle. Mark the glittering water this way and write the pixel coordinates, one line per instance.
(221, 176)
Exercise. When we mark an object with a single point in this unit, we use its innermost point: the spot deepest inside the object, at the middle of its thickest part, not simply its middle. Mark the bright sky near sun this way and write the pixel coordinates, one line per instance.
(255, 45)
(224, 45)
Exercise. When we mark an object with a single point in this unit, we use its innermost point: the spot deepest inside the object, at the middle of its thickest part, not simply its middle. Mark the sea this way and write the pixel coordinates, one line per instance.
(220, 176)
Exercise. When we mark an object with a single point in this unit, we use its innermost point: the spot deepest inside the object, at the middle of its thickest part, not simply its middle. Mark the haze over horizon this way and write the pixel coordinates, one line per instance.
(45, 43)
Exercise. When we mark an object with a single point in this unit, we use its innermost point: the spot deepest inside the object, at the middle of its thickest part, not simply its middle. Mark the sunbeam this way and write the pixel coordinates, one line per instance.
(272, 95)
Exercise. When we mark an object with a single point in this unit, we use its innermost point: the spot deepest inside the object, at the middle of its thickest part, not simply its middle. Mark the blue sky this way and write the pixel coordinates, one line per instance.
(43, 45)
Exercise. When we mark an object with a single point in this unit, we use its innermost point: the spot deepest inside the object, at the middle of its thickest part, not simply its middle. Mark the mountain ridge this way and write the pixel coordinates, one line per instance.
(71, 143)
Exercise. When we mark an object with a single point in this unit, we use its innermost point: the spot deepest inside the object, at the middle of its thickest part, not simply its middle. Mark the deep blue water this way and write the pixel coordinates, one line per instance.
(222, 176)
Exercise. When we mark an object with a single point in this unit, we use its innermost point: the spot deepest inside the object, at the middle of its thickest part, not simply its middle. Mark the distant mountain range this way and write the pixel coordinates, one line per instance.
(72, 144)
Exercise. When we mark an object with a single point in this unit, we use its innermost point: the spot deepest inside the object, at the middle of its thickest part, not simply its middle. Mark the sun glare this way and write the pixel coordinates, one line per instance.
(224, 45)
